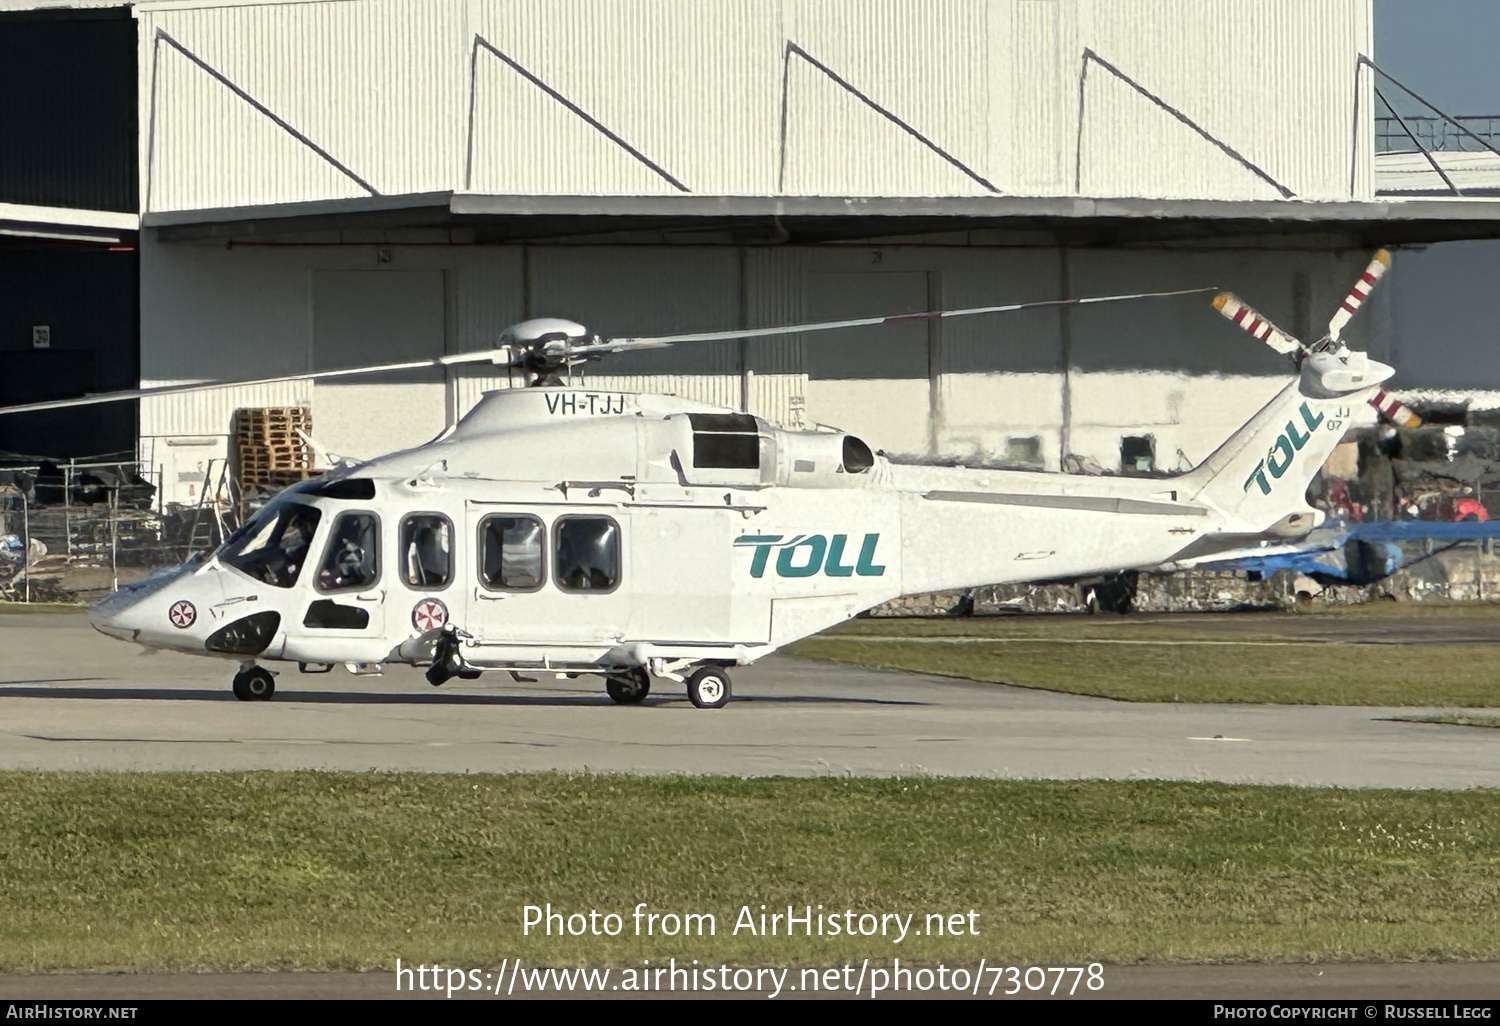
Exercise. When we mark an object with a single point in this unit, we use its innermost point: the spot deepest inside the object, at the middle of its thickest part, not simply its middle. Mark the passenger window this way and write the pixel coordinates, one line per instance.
(511, 553)
(352, 557)
(588, 554)
(426, 551)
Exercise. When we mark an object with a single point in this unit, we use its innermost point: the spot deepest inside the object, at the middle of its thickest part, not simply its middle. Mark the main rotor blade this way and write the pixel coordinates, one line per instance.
(486, 356)
(506, 356)
(617, 345)
(1377, 267)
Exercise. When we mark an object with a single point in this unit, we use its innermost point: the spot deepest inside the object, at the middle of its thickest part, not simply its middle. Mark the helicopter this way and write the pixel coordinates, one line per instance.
(571, 531)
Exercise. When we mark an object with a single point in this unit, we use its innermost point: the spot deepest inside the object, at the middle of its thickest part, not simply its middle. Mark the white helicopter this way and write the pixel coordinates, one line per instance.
(634, 536)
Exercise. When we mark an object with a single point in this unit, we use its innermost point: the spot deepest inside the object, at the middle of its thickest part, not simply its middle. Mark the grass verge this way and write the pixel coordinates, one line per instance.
(1253, 659)
(1306, 674)
(343, 871)
(1458, 720)
(41, 608)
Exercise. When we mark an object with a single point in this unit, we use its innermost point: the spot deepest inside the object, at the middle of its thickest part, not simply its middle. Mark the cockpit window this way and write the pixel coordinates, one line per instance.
(351, 559)
(361, 489)
(588, 554)
(272, 547)
(511, 553)
(426, 551)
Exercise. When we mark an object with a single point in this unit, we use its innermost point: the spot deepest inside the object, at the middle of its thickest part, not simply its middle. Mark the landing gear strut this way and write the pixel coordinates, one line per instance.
(447, 661)
(629, 687)
(254, 684)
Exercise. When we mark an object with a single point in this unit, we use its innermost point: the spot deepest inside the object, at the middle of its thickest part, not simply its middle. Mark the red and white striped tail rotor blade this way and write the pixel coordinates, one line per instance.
(1234, 308)
(1394, 410)
(1378, 265)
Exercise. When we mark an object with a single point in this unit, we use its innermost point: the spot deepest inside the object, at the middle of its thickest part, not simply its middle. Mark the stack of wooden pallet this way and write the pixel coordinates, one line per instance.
(269, 454)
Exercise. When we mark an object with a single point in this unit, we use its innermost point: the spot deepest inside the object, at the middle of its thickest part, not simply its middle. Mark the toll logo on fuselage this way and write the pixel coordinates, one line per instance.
(807, 555)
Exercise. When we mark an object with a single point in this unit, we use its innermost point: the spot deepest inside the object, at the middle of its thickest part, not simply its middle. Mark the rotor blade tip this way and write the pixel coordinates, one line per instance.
(1383, 257)
(1220, 300)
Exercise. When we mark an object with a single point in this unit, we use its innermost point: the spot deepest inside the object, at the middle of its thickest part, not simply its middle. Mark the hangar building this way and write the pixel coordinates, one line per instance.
(324, 183)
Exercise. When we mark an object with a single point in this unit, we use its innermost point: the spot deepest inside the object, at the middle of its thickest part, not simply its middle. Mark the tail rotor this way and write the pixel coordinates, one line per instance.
(1332, 344)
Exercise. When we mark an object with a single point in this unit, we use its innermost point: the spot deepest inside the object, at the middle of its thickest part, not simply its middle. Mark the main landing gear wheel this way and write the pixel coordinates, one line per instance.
(708, 688)
(628, 688)
(254, 684)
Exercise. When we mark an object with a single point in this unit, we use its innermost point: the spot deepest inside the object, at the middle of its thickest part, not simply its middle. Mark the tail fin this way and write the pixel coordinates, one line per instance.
(1258, 479)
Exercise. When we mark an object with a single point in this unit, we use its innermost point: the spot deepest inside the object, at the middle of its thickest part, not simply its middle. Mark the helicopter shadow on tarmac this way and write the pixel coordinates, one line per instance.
(37, 689)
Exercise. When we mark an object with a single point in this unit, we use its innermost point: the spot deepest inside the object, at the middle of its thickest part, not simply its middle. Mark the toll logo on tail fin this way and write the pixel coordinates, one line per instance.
(1286, 447)
(1258, 478)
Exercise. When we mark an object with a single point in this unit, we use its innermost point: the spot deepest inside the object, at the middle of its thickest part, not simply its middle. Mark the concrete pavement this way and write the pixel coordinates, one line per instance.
(72, 699)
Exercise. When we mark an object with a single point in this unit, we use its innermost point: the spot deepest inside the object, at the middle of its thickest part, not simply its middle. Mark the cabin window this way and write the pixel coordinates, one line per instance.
(426, 551)
(351, 559)
(587, 554)
(510, 550)
(272, 547)
(326, 614)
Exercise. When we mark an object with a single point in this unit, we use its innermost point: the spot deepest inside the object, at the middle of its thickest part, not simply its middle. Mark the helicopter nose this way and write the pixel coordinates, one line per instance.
(112, 615)
(121, 614)
(108, 627)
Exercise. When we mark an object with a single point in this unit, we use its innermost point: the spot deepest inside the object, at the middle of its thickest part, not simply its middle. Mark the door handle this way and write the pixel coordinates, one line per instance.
(489, 596)
(370, 596)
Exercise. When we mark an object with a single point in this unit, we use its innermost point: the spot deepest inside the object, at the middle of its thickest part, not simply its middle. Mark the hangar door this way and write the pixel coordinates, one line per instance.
(84, 301)
(374, 317)
(874, 382)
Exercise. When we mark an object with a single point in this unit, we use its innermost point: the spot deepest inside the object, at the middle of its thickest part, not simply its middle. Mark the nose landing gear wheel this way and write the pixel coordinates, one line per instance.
(708, 688)
(628, 688)
(255, 684)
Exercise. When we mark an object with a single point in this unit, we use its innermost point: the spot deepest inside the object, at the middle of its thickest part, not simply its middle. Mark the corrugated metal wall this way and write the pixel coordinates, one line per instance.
(1273, 80)
(751, 97)
(210, 412)
(376, 85)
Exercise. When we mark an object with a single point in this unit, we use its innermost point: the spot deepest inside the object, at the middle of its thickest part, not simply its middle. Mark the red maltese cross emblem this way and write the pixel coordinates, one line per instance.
(182, 614)
(429, 615)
